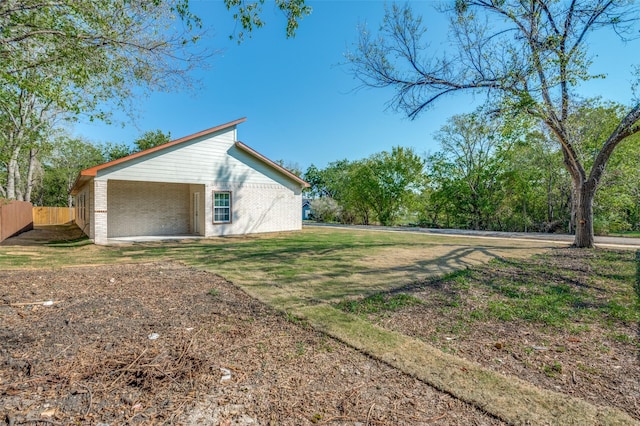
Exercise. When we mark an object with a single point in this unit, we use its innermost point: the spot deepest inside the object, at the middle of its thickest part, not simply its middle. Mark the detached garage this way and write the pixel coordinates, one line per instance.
(205, 184)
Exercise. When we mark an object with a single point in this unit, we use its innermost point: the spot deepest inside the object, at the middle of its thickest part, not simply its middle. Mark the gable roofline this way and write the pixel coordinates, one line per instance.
(252, 152)
(87, 174)
(93, 171)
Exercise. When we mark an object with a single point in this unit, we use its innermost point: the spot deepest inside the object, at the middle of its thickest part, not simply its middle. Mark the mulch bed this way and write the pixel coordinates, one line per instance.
(162, 343)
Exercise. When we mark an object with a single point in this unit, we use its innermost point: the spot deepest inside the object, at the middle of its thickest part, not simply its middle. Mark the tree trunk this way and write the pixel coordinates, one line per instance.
(583, 205)
(69, 200)
(549, 200)
(70, 182)
(524, 212)
(12, 167)
(19, 195)
(30, 174)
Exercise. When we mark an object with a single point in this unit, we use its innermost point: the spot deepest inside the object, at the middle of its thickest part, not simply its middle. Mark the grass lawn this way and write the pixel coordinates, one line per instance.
(289, 270)
(628, 234)
(333, 277)
(552, 290)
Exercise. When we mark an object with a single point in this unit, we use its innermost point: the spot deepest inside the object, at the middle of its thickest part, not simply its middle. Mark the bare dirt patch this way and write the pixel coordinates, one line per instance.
(594, 355)
(44, 234)
(163, 343)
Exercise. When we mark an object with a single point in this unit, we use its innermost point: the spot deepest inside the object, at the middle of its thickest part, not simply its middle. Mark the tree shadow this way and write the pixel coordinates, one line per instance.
(47, 235)
(518, 280)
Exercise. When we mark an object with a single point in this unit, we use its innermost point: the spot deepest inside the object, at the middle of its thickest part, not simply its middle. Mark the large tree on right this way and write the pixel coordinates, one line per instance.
(526, 56)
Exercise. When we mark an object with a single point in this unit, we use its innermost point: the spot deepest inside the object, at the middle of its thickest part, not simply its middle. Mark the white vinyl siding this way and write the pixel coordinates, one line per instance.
(212, 158)
(256, 208)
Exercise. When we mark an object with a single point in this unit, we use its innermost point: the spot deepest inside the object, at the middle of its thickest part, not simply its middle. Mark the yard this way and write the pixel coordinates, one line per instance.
(151, 333)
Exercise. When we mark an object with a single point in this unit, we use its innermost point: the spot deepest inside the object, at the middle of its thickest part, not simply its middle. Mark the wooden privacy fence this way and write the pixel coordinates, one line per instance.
(15, 217)
(53, 215)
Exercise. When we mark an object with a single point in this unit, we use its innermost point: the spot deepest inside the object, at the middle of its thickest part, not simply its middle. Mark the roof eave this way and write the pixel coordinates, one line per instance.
(273, 164)
(93, 171)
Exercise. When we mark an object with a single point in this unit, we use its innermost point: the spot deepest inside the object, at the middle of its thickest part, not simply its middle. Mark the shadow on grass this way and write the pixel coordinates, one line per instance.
(302, 268)
(320, 268)
(544, 289)
(75, 242)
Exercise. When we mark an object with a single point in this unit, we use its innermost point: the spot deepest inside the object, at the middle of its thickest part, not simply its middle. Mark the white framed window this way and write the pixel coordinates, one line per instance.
(221, 206)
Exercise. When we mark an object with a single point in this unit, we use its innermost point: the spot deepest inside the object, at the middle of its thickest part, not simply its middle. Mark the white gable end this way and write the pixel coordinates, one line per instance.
(212, 158)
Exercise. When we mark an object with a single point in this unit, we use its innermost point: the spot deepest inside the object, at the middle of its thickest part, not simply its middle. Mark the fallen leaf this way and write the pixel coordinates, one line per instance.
(49, 413)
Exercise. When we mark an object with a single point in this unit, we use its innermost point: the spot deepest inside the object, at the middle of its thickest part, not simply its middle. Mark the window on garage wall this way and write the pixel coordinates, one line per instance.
(221, 206)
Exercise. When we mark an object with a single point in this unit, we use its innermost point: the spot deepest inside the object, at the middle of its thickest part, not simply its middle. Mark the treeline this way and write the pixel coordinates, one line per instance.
(56, 167)
(489, 174)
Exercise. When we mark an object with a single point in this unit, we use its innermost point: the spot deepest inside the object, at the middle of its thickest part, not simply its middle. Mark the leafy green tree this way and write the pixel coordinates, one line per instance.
(113, 151)
(329, 181)
(71, 57)
(528, 57)
(616, 203)
(249, 14)
(390, 180)
(25, 123)
(87, 57)
(62, 165)
(436, 201)
(98, 51)
(469, 167)
(150, 139)
(314, 177)
(102, 51)
(535, 188)
(376, 187)
(356, 193)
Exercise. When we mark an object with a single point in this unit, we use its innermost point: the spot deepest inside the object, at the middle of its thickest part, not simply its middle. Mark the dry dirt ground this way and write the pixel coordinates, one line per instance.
(162, 343)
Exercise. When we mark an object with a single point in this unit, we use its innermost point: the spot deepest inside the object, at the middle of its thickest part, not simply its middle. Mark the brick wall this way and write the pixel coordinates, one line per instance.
(147, 208)
(99, 223)
(257, 208)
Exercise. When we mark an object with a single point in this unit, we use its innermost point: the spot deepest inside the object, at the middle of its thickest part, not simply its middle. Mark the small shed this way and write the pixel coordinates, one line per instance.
(306, 209)
(205, 184)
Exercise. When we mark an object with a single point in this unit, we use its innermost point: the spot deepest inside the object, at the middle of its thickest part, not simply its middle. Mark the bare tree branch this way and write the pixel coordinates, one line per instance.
(529, 55)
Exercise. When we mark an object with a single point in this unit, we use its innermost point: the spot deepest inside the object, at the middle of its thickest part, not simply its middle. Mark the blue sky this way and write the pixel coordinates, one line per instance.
(300, 102)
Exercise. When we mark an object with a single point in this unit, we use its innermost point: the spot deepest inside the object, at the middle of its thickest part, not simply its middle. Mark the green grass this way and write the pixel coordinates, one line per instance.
(552, 370)
(369, 272)
(74, 242)
(629, 234)
(558, 289)
(378, 303)
(290, 270)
